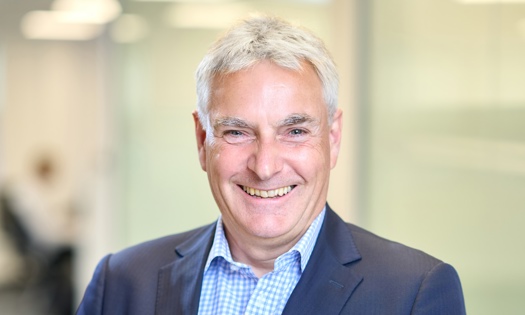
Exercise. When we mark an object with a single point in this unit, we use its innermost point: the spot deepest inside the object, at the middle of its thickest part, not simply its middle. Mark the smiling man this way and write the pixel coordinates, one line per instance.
(268, 134)
(268, 158)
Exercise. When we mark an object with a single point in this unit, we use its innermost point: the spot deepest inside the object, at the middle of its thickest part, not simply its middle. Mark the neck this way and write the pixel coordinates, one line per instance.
(260, 254)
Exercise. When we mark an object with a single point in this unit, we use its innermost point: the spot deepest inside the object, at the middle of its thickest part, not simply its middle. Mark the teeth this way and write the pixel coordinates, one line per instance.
(267, 193)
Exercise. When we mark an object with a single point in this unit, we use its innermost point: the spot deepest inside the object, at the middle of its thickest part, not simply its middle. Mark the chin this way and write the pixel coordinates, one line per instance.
(269, 228)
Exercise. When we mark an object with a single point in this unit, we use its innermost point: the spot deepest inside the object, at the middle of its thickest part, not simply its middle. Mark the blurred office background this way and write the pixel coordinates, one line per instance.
(97, 149)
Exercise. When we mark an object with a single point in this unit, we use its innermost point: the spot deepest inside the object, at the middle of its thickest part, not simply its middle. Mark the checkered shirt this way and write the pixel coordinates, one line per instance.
(231, 288)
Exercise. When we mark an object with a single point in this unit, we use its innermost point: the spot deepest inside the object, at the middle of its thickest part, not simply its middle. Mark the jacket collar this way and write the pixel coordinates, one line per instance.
(179, 283)
(328, 281)
(324, 288)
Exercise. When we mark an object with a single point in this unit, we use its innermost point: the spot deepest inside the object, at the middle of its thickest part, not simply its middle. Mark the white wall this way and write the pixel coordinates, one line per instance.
(446, 140)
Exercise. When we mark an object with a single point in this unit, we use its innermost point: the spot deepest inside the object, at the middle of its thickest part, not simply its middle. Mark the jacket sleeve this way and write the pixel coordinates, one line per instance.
(440, 293)
(93, 300)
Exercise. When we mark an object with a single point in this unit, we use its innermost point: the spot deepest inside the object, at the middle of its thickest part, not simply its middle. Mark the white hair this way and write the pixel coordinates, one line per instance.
(264, 38)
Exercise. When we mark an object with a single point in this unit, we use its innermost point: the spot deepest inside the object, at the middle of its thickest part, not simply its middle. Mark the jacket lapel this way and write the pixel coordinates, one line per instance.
(179, 283)
(328, 280)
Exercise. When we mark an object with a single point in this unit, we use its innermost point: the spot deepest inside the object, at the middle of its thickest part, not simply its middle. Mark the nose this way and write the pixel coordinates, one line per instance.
(266, 160)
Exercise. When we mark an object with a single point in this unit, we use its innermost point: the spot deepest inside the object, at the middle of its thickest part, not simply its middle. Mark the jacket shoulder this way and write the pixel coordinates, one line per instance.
(158, 252)
(126, 282)
(377, 251)
(403, 279)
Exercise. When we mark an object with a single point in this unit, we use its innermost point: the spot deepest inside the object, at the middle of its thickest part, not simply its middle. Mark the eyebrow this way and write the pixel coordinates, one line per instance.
(293, 119)
(297, 119)
(231, 122)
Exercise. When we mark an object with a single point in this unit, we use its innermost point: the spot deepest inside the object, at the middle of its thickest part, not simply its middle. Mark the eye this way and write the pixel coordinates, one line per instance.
(234, 136)
(233, 133)
(297, 132)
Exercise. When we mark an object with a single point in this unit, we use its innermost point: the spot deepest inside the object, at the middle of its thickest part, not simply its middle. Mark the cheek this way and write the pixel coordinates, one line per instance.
(312, 156)
(225, 160)
(309, 164)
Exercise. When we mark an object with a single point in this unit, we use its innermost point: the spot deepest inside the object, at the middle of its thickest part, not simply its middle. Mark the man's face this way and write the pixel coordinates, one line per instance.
(272, 151)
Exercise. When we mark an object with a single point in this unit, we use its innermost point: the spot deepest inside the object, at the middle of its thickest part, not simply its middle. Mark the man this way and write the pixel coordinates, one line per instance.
(268, 133)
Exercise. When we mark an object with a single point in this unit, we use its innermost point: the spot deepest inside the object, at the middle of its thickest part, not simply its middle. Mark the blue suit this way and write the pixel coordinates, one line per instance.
(351, 271)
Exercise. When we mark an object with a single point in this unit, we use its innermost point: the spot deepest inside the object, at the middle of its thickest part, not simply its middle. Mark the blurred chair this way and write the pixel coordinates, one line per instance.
(46, 276)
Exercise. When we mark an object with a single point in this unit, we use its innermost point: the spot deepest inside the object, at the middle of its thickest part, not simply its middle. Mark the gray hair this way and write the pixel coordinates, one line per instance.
(265, 38)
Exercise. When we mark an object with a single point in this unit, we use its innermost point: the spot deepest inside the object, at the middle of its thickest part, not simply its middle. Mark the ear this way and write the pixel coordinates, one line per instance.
(336, 130)
(200, 135)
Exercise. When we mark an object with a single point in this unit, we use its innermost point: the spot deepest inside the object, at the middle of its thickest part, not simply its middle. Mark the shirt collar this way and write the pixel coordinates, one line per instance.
(304, 246)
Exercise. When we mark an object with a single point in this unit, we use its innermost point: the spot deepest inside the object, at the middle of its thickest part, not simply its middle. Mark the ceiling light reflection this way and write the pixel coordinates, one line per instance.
(491, 1)
(187, 1)
(57, 26)
(129, 28)
(88, 11)
(204, 16)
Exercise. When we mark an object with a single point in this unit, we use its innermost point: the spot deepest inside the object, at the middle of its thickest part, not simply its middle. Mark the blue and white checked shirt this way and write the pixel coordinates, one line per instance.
(231, 288)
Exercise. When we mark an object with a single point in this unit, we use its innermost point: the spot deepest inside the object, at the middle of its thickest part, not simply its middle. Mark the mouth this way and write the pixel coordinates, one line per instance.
(274, 193)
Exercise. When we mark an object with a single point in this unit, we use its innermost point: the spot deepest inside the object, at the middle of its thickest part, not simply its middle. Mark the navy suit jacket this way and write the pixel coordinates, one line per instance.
(351, 271)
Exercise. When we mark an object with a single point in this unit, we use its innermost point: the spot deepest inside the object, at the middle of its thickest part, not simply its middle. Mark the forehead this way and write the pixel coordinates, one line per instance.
(267, 89)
